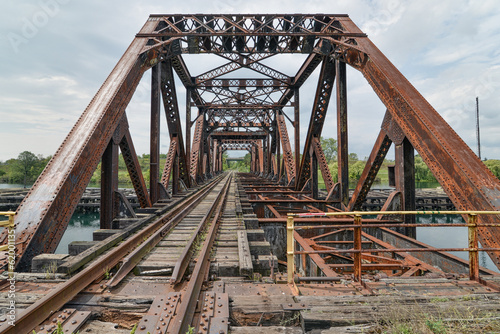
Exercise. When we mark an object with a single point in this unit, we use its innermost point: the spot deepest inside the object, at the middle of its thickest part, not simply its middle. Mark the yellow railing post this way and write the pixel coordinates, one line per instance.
(11, 231)
(10, 226)
(290, 246)
(473, 249)
(357, 247)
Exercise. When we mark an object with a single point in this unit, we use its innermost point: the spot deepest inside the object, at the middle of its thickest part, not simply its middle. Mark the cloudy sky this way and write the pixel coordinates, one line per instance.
(55, 54)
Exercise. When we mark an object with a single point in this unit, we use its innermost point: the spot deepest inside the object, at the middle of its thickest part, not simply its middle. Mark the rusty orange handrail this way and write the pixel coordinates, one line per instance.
(473, 247)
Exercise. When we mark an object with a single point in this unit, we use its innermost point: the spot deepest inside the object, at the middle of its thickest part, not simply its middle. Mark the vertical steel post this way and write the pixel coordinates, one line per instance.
(290, 246)
(314, 175)
(405, 183)
(473, 249)
(296, 124)
(357, 247)
(342, 150)
(215, 154)
(269, 156)
(109, 184)
(154, 157)
(188, 127)
(175, 175)
(278, 149)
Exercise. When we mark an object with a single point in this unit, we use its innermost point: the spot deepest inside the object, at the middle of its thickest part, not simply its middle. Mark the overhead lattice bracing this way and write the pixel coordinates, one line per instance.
(235, 111)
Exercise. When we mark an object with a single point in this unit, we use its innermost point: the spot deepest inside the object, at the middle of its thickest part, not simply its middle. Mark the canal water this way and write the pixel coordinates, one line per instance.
(82, 225)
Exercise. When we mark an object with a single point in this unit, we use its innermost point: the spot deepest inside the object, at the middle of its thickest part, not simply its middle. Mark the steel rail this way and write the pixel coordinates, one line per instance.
(183, 262)
(54, 300)
(187, 308)
(174, 217)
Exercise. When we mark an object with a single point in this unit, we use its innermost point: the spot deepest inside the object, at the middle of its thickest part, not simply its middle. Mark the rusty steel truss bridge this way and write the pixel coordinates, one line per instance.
(250, 113)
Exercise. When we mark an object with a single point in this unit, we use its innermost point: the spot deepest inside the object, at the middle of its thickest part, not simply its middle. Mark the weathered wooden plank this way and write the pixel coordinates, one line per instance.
(245, 258)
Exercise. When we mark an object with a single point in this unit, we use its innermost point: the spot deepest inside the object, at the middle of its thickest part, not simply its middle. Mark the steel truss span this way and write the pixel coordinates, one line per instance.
(246, 104)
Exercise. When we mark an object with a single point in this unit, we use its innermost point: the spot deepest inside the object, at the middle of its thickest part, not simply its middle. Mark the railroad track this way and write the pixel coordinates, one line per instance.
(181, 238)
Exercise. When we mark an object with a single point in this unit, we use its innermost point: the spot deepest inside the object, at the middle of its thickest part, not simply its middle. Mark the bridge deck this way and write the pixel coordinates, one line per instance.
(247, 282)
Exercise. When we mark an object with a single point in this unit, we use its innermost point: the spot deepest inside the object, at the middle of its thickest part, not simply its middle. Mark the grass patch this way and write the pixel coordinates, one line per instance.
(432, 318)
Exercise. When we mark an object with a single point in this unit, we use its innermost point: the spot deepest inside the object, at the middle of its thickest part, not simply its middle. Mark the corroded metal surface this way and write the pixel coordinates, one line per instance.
(44, 214)
(288, 161)
(323, 165)
(235, 106)
(318, 114)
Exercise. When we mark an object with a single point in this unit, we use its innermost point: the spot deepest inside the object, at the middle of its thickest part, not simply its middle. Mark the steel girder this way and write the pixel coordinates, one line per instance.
(244, 135)
(173, 118)
(197, 150)
(320, 106)
(237, 61)
(154, 145)
(342, 147)
(258, 67)
(187, 80)
(109, 174)
(170, 162)
(287, 149)
(44, 214)
(239, 96)
(134, 170)
(466, 180)
(246, 40)
(110, 204)
(237, 144)
(323, 165)
(248, 33)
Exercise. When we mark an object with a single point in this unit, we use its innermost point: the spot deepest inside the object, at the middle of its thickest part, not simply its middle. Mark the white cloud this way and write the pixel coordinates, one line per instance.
(449, 50)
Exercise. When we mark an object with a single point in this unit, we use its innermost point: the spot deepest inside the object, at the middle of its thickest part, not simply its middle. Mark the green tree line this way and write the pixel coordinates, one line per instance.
(26, 168)
(23, 170)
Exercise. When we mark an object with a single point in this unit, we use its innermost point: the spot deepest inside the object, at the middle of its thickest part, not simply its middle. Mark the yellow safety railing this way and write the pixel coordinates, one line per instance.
(10, 225)
(357, 225)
